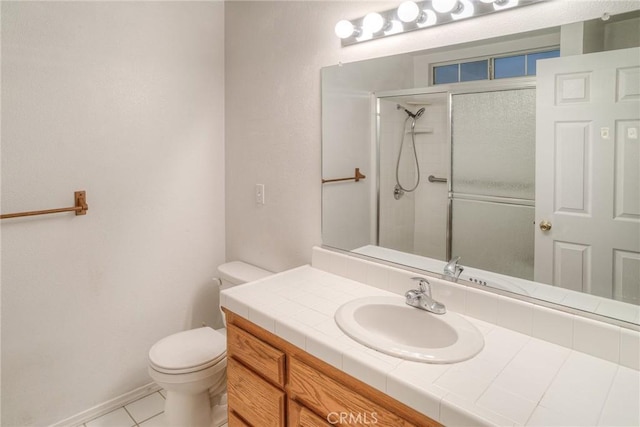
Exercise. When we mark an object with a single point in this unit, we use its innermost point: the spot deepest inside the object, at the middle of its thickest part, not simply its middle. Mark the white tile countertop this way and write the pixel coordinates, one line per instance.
(515, 380)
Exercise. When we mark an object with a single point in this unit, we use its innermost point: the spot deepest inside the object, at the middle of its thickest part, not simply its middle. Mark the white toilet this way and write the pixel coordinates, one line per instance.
(191, 365)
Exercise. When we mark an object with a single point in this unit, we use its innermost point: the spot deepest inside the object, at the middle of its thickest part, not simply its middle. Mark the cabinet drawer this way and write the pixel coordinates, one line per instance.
(327, 396)
(264, 359)
(300, 416)
(255, 400)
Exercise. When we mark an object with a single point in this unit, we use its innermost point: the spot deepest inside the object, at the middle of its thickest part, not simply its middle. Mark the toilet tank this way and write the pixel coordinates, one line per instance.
(238, 272)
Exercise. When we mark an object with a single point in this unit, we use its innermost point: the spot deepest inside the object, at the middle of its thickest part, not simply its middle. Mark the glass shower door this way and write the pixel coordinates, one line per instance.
(492, 186)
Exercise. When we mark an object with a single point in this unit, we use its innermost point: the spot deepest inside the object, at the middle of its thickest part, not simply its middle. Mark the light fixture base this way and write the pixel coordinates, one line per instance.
(428, 18)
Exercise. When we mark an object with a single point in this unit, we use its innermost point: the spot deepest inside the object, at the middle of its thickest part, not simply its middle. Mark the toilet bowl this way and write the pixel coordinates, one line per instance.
(191, 365)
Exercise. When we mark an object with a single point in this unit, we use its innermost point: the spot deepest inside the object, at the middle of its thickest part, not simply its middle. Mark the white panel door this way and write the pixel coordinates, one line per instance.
(587, 173)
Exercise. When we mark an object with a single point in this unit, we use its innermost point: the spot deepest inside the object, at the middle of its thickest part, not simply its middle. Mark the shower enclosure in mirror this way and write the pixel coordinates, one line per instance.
(533, 181)
(466, 182)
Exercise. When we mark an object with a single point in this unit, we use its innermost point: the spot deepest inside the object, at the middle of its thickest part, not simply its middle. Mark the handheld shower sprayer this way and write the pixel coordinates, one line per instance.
(399, 190)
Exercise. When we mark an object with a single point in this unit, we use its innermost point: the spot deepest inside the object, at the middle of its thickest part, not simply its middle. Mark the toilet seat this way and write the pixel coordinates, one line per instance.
(188, 351)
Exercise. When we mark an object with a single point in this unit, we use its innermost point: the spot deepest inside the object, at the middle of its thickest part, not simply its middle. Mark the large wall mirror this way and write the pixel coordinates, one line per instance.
(520, 155)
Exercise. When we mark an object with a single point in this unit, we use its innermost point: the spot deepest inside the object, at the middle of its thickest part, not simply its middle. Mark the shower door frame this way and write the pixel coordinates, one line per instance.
(450, 90)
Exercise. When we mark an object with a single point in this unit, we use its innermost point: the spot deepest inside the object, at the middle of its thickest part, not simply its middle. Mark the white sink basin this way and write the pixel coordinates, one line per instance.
(390, 326)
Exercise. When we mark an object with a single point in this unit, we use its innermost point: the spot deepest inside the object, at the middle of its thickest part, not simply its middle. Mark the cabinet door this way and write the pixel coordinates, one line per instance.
(299, 416)
(255, 400)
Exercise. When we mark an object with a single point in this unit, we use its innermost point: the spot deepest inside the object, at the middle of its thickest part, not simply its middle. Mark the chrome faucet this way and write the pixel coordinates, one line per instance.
(421, 298)
(452, 269)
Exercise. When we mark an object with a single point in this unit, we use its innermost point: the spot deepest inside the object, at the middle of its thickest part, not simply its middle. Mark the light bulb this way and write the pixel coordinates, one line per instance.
(465, 11)
(505, 4)
(430, 18)
(344, 29)
(395, 27)
(444, 6)
(373, 23)
(408, 11)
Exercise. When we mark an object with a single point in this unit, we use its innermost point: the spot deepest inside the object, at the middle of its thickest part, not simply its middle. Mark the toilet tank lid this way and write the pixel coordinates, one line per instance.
(238, 272)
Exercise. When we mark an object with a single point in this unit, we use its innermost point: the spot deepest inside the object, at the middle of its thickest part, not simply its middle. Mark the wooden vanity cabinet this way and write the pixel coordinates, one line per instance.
(272, 383)
(301, 416)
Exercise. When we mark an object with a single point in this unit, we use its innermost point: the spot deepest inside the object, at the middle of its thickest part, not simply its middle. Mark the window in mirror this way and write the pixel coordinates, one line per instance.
(461, 72)
(476, 70)
(520, 65)
(446, 74)
(510, 66)
(532, 58)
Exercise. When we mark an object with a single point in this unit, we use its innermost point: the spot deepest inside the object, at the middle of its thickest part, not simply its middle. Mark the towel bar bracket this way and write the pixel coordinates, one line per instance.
(80, 198)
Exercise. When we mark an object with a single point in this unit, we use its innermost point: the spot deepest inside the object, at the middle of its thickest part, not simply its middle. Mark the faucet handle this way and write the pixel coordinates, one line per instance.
(425, 286)
(453, 269)
(411, 295)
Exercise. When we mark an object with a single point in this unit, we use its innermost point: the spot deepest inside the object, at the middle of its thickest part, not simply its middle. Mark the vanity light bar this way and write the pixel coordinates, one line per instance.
(410, 16)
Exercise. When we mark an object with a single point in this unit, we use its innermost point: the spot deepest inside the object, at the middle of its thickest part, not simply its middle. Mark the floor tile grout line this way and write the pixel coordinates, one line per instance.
(130, 416)
(153, 416)
(144, 397)
(156, 415)
(124, 406)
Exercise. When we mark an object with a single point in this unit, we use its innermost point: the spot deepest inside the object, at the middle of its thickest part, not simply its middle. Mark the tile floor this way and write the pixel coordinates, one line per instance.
(145, 412)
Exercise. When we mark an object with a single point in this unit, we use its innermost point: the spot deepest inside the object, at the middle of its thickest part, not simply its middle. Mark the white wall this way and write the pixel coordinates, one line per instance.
(274, 52)
(124, 100)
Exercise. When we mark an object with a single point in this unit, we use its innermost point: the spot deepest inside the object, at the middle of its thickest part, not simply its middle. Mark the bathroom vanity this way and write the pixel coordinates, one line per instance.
(291, 365)
(272, 383)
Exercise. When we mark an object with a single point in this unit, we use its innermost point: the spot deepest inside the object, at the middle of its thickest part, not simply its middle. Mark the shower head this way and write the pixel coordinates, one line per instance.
(412, 115)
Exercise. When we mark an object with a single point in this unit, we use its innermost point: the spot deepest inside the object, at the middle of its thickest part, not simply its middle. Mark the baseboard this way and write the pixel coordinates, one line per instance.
(108, 406)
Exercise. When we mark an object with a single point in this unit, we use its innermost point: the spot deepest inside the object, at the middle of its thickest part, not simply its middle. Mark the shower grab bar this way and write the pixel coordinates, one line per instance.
(358, 176)
(434, 179)
(80, 208)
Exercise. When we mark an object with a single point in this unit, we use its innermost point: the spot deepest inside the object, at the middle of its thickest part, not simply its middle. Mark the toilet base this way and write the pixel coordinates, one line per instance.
(190, 396)
(192, 410)
(219, 415)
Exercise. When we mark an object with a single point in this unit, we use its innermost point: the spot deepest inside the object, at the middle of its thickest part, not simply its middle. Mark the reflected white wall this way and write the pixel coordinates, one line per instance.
(350, 142)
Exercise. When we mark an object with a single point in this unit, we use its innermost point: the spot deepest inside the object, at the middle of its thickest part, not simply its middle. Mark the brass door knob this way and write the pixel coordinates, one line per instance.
(545, 226)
